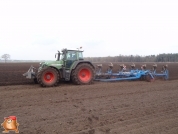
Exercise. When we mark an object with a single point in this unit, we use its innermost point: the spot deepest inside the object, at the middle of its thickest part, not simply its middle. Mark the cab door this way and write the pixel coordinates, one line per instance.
(71, 57)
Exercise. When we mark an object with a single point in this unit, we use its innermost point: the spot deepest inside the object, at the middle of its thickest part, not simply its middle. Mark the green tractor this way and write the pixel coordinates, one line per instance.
(69, 66)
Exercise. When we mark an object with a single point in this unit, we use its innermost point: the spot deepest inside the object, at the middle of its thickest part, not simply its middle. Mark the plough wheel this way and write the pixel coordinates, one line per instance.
(148, 78)
(83, 74)
(48, 77)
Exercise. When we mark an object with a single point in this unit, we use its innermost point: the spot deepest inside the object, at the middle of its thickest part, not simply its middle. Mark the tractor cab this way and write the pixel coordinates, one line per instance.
(70, 56)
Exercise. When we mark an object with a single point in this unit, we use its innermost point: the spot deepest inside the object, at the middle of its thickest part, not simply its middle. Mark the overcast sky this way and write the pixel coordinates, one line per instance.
(36, 29)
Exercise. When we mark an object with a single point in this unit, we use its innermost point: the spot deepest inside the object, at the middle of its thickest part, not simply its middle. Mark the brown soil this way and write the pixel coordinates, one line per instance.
(101, 108)
(11, 73)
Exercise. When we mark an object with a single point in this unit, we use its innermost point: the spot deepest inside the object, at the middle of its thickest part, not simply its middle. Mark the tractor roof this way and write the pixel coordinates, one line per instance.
(65, 49)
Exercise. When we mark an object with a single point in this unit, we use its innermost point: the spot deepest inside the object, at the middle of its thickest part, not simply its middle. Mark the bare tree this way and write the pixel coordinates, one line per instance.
(6, 57)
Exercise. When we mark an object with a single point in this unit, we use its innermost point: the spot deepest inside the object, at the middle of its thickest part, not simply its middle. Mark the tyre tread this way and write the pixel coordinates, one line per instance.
(39, 77)
(74, 75)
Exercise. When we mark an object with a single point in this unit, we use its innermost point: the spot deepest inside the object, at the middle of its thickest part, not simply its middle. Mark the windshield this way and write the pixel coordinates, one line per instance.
(71, 55)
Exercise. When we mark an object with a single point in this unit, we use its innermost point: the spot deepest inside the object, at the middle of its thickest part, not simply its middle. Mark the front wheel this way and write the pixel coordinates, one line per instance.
(83, 74)
(48, 77)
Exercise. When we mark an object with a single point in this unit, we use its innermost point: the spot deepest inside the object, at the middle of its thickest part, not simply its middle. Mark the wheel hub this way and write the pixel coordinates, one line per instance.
(83, 74)
(48, 77)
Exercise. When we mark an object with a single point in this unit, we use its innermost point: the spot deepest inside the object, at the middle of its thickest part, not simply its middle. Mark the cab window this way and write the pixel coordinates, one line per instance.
(80, 55)
(71, 55)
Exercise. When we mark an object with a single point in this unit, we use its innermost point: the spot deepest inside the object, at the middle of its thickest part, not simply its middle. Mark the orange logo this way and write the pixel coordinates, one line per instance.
(10, 124)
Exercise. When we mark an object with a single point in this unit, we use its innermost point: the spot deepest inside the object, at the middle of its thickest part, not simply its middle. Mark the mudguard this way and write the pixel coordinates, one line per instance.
(82, 61)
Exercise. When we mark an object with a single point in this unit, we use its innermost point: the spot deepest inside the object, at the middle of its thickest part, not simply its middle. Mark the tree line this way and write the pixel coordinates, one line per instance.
(136, 58)
(124, 58)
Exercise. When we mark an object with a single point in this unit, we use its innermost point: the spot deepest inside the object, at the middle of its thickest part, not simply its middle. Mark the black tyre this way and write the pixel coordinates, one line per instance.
(149, 78)
(83, 74)
(48, 77)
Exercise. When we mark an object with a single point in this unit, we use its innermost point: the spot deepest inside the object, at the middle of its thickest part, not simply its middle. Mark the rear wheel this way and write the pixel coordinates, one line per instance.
(83, 74)
(48, 77)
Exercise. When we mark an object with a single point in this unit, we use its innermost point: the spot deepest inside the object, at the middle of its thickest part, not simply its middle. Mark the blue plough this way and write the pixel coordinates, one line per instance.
(132, 74)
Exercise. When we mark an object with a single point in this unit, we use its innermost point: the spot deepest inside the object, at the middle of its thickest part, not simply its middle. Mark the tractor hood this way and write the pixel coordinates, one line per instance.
(56, 64)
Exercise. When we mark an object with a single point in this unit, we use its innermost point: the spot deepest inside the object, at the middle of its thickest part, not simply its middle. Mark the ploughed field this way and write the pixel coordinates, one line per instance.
(129, 107)
(101, 108)
(11, 73)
